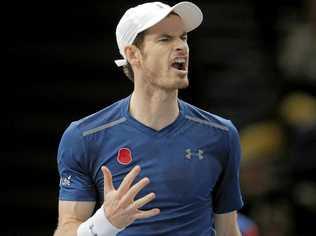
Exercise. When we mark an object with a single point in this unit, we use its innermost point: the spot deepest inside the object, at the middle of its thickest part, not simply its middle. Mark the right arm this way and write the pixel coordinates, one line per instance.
(77, 200)
(118, 210)
(71, 215)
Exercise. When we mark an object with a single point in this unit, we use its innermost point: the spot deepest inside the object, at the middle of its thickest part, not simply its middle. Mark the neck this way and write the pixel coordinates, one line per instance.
(155, 109)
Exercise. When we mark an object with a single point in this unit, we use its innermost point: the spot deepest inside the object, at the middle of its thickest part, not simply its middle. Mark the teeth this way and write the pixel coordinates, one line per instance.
(179, 60)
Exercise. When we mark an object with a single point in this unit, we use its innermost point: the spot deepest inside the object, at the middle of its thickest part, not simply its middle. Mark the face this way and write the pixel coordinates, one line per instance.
(164, 55)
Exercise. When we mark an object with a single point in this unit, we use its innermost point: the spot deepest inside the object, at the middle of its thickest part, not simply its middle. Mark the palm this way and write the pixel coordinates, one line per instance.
(119, 205)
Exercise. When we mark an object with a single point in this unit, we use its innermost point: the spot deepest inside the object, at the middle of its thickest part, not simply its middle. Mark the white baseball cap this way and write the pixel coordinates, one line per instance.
(144, 16)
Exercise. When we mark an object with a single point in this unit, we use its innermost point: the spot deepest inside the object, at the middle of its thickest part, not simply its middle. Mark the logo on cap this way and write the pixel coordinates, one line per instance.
(124, 156)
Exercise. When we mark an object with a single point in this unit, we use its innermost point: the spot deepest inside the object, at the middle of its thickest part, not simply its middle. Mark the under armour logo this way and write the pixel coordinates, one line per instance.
(91, 230)
(189, 154)
(66, 181)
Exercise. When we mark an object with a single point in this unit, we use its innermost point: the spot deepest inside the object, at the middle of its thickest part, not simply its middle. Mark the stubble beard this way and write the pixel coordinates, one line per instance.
(170, 83)
(183, 83)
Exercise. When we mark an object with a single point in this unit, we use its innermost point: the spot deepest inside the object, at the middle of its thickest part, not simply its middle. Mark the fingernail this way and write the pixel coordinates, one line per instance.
(104, 169)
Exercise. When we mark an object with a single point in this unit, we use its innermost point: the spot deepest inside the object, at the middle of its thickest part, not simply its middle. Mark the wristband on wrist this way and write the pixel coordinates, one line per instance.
(97, 225)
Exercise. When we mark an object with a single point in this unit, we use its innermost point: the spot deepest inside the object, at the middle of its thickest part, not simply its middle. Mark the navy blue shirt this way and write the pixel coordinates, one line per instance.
(192, 164)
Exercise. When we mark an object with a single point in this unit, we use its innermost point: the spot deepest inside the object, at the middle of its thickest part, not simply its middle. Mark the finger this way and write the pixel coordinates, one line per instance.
(147, 214)
(127, 199)
(144, 200)
(108, 184)
(128, 180)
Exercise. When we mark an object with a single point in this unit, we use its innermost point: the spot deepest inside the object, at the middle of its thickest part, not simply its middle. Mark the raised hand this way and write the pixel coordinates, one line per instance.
(119, 205)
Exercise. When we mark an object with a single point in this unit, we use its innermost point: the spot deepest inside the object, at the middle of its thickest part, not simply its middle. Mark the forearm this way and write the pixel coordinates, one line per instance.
(228, 231)
(67, 229)
(226, 224)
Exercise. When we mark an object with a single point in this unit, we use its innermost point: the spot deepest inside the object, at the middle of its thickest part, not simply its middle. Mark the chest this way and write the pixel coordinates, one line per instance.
(181, 170)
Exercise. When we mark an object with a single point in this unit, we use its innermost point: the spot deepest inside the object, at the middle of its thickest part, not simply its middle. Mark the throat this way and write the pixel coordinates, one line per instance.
(154, 112)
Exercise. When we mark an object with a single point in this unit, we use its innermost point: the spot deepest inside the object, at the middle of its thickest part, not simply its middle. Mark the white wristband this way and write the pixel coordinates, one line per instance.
(97, 225)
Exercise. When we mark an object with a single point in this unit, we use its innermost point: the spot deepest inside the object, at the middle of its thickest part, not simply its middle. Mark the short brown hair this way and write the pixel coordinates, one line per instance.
(138, 42)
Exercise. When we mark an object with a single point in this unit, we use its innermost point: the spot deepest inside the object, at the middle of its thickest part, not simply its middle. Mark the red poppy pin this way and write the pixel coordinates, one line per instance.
(124, 156)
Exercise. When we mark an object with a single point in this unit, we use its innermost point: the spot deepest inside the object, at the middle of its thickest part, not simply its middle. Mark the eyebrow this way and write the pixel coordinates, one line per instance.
(170, 36)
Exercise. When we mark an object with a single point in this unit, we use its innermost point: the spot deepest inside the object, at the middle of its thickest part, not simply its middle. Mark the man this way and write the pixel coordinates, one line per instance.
(151, 163)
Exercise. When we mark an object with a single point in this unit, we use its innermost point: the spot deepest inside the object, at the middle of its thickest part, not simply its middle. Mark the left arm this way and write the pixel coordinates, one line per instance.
(226, 224)
(227, 198)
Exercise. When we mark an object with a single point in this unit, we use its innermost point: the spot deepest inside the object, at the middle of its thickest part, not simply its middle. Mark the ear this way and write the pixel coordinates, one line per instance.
(132, 54)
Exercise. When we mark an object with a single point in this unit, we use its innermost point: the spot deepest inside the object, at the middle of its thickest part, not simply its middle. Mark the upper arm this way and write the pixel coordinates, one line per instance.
(227, 195)
(226, 224)
(74, 211)
(74, 167)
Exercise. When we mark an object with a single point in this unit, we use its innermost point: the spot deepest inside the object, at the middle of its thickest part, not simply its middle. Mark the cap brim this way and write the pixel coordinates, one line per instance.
(190, 13)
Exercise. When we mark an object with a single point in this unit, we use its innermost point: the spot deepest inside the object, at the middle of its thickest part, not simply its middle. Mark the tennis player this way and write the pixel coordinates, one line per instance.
(151, 164)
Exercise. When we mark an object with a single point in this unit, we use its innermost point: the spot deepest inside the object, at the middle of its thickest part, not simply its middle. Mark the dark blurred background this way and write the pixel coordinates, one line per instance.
(253, 62)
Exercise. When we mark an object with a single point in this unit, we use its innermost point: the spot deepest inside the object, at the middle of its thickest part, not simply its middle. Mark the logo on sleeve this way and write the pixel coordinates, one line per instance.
(66, 181)
(124, 156)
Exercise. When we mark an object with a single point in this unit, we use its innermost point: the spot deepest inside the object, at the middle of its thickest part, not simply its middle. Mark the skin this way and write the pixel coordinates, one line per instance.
(153, 103)
(119, 205)
(156, 82)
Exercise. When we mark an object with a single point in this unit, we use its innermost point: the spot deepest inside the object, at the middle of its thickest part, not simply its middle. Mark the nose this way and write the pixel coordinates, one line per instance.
(182, 46)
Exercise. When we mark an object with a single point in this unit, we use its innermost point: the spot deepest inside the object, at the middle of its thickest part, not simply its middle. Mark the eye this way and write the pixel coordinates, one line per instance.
(184, 37)
(164, 39)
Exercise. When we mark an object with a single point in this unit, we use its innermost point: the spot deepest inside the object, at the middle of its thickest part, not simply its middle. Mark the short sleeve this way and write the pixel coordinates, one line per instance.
(75, 182)
(227, 194)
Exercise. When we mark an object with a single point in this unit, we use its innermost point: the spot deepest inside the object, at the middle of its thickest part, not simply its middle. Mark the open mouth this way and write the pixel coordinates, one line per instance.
(179, 64)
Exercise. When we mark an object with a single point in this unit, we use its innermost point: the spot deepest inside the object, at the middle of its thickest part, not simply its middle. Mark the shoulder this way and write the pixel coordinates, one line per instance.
(105, 118)
(210, 120)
